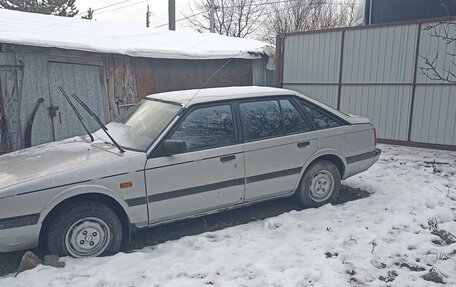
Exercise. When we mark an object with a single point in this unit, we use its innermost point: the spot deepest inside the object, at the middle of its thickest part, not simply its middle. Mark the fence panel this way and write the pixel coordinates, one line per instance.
(384, 75)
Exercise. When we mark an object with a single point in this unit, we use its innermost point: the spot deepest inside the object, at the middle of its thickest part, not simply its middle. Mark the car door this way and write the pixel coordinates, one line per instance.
(208, 176)
(278, 140)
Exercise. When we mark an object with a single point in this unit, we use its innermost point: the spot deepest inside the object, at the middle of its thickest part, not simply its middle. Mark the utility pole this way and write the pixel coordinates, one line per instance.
(148, 17)
(172, 14)
(212, 20)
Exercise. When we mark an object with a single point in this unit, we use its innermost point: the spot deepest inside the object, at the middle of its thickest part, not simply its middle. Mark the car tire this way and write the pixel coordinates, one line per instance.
(84, 229)
(319, 185)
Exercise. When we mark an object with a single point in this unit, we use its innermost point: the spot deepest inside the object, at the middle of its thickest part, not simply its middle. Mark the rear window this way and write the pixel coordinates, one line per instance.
(321, 119)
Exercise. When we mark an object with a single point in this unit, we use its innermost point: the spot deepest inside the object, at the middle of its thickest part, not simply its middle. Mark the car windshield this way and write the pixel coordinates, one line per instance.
(140, 126)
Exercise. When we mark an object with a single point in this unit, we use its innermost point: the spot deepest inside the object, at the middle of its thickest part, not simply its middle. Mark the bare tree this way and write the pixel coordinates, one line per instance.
(304, 15)
(264, 19)
(65, 8)
(441, 67)
(238, 18)
(434, 68)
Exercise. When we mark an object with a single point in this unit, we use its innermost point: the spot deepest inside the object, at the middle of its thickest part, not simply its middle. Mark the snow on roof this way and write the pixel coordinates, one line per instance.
(78, 34)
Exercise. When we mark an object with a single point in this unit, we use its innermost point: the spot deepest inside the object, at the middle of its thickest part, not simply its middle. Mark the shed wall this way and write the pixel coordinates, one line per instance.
(109, 84)
(163, 75)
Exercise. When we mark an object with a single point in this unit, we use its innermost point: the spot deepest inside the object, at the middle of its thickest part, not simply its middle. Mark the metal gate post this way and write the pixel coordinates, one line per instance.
(415, 72)
(339, 89)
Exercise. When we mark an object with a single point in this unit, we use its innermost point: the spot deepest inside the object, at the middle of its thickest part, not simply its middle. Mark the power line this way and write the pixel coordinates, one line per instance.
(260, 4)
(123, 7)
(181, 19)
(107, 6)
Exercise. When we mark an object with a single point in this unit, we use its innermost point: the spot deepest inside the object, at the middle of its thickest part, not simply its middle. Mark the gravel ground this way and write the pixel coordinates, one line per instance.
(147, 237)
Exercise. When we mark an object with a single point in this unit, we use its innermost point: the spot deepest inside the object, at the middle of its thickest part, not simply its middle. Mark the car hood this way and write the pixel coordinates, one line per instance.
(55, 158)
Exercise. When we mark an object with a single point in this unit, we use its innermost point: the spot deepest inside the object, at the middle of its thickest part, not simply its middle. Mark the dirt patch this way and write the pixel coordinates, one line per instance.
(413, 268)
(149, 237)
(433, 276)
(225, 219)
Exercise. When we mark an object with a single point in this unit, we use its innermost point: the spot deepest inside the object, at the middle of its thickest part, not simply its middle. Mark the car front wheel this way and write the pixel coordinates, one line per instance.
(319, 185)
(84, 229)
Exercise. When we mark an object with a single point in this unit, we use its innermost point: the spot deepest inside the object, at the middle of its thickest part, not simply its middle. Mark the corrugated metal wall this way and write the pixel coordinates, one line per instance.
(377, 72)
(261, 75)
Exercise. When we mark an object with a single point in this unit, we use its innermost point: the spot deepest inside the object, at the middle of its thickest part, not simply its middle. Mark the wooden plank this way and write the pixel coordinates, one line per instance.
(162, 75)
(144, 77)
(8, 89)
(125, 91)
(109, 75)
(129, 85)
(35, 85)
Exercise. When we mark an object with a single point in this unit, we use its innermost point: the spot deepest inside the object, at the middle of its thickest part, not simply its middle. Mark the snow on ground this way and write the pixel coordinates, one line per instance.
(383, 240)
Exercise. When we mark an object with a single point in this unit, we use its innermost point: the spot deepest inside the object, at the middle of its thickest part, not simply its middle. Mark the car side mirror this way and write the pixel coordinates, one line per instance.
(172, 147)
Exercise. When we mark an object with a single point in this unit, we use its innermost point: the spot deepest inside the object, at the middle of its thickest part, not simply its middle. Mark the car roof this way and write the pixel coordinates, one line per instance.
(190, 97)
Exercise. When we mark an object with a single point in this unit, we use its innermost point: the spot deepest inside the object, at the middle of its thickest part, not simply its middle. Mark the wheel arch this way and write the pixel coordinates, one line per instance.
(330, 156)
(337, 161)
(102, 198)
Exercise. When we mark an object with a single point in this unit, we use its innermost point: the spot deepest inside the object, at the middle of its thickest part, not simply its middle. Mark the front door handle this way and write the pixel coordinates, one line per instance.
(228, 158)
(303, 144)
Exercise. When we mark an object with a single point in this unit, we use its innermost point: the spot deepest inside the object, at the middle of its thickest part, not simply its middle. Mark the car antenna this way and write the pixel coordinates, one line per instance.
(212, 76)
(75, 110)
(97, 119)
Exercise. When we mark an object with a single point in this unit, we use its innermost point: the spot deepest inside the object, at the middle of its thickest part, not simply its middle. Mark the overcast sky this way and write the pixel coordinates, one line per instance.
(133, 12)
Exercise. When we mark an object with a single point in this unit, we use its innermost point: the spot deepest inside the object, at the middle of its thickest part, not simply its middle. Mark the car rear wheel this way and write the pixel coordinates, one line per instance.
(84, 229)
(319, 185)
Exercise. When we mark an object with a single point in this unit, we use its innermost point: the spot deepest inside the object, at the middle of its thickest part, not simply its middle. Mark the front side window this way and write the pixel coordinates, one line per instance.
(321, 120)
(261, 119)
(207, 127)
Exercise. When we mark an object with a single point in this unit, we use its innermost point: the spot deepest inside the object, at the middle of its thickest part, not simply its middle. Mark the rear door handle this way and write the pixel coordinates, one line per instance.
(303, 144)
(228, 158)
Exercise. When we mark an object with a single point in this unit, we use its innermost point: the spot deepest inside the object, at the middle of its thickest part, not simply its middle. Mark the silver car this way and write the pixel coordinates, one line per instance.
(180, 155)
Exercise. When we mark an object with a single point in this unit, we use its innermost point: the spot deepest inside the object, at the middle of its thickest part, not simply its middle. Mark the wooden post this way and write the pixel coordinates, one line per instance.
(212, 19)
(148, 17)
(172, 14)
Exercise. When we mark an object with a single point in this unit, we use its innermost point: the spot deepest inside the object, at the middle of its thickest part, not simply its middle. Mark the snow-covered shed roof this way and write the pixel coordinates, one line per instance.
(84, 35)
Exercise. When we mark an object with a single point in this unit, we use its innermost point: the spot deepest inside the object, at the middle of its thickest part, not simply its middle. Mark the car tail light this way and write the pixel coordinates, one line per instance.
(375, 136)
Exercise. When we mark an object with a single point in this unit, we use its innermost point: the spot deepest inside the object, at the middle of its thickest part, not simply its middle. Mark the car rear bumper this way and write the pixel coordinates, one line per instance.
(361, 162)
(378, 152)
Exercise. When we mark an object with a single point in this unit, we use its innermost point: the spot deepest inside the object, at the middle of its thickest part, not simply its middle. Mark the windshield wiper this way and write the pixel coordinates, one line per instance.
(76, 112)
(97, 119)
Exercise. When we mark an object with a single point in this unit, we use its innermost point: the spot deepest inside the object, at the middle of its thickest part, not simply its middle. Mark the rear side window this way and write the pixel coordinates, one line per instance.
(261, 119)
(206, 128)
(271, 118)
(321, 119)
(293, 120)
